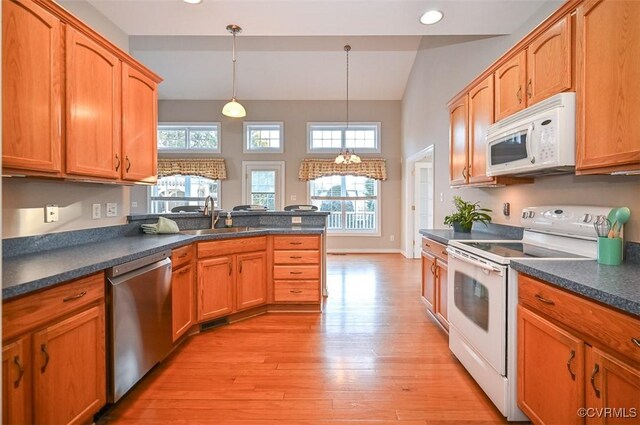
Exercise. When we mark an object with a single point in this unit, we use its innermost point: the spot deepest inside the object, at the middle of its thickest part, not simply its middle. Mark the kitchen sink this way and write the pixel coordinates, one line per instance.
(199, 232)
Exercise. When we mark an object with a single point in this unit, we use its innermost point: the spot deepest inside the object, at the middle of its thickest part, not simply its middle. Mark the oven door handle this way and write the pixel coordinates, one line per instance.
(485, 267)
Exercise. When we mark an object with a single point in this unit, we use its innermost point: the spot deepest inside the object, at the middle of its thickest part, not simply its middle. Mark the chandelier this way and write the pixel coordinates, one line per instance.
(347, 156)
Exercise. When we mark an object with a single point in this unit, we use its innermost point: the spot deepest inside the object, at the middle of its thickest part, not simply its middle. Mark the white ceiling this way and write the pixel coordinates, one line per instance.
(293, 49)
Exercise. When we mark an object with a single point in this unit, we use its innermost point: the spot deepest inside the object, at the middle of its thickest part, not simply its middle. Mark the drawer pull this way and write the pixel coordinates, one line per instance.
(295, 257)
(544, 300)
(571, 356)
(295, 243)
(596, 369)
(296, 291)
(183, 255)
(444, 252)
(183, 271)
(18, 363)
(636, 341)
(295, 272)
(43, 350)
(426, 244)
(74, 297)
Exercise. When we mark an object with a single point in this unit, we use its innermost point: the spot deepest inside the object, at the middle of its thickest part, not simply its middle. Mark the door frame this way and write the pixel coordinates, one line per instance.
(277, 166)
(417, 195)
(425, 155)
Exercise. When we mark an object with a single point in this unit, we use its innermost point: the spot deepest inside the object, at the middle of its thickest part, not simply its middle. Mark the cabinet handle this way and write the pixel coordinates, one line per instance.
(296, 291)
(544, 300)
(118, 163)
(464, 172)
(240, 267)
(183, 271)
(128, 163)
(426, 244)
(571, 356)
(229, 264)
(295, 243)
(43, 350)
(444, 252)
(596, 369)
(17, 362)
(183, 255)
(295, 272)
(74, 297)
(433, 268)
(636, 341)
(529, 89)
(519, 94)
(295, 257)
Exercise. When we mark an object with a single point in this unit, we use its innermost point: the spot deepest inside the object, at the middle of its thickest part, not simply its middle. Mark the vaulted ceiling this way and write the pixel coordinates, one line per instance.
(293, 49)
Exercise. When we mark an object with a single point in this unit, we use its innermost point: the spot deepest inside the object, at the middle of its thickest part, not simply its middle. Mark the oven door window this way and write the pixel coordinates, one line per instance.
(511, 148)
(471, 298)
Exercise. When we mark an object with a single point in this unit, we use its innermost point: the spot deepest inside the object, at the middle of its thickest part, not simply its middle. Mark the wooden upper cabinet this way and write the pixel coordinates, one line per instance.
(608, 86)
(480, 118)
(458, 142)
(93, 93)
(549, 62)
(31, 88)
(510, 81)
(139, 126)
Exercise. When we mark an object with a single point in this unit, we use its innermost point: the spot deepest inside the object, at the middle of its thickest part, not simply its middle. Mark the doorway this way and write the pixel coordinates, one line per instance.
(419, 196)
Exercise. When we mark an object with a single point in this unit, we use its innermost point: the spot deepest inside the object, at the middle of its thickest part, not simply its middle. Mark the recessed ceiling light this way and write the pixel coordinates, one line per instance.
(430, 17)
(192, 1)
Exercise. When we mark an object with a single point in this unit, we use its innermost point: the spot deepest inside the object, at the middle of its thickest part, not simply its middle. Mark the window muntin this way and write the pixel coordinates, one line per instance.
(263, 137)
(363, 137)
(189, 138)
(263, 188)
(173, 191)
(352, 201)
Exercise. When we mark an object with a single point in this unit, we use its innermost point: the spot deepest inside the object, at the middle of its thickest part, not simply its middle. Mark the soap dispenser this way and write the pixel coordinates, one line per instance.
(228, 221)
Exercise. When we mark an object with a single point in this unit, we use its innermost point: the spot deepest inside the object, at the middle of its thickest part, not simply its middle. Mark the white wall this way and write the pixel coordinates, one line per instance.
(84, 11)
(295, 115)
(443, 66)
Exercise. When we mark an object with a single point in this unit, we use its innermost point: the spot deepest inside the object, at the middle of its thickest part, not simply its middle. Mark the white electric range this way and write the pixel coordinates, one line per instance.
(483, 292)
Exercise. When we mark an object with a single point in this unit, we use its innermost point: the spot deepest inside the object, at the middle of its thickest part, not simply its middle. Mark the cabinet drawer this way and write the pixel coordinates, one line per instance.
(231, 246)
(296, 272)
(296, 257)
(29, 312)
(604, 325)
(435, 248)
(296, 291)
(296, 242)
(181, 256)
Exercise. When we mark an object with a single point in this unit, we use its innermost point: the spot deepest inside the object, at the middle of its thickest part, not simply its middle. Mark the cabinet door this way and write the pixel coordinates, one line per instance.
(441, 293)
(69, 369)
(215, 287)
(429, 280)
(614, 385)
(31, 84)
(608, 86)
(550, 371)
(458, 142)
(139, 126)
(93, 92)
(251, 284)
(182, 300)
(480, 118)
(510, 80)
(549, 62)
(15, 378)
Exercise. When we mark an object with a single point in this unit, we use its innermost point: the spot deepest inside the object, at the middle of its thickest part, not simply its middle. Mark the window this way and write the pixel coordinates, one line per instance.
(263, 137)
(352, 201)
(263, 183)
(189, 138)
(173, 191)
(363, 137)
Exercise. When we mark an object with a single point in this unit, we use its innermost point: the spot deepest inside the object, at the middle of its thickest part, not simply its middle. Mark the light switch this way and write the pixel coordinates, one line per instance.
(293, 197)
(296, 220)
(96, 211)
(51, 213)
(112, 209)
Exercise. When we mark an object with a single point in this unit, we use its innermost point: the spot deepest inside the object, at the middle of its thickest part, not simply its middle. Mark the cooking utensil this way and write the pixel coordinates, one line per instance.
(602, 227)
(612, 219)
(622, 216)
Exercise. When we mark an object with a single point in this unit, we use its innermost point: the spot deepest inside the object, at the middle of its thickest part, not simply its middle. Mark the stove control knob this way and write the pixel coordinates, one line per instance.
(525, 214)
(587, 218)
(532, 214)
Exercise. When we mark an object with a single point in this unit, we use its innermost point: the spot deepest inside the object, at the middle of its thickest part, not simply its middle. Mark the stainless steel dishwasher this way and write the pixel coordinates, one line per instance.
(139, 303)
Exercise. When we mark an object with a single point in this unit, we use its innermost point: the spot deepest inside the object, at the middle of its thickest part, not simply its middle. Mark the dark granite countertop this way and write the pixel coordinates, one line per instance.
(22, 274)
(478, 232)
(615, 286)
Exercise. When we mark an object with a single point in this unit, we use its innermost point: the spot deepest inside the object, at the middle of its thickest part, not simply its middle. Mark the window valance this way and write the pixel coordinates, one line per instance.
(212, 168)
(374, 168)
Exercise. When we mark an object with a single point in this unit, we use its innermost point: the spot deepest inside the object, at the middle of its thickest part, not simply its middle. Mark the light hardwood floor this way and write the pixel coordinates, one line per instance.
(373, 356)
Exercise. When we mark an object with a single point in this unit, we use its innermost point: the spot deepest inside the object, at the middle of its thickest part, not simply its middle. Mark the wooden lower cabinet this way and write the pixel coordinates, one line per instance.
(182, 300)
(296, 269)
(251, 280)
(429, 280)
(550, 371)
(16, 367)
(215, 287)
(434, 280)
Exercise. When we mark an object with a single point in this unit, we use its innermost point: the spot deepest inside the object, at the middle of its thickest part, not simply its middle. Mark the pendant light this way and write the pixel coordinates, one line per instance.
(233, 108)
(347, 156)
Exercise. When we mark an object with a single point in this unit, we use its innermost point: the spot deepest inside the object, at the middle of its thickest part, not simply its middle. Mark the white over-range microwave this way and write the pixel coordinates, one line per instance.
(538, 140)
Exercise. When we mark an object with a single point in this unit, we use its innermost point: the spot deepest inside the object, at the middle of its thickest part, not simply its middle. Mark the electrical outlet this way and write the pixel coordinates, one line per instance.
(296, 220)
(441, 197)
(392, 238)
(112, 209)
(134, 204)
(96, 211)
(50, 213)
(293, 197)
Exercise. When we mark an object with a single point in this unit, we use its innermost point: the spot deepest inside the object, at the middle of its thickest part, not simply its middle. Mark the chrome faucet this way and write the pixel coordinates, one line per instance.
(210, 210)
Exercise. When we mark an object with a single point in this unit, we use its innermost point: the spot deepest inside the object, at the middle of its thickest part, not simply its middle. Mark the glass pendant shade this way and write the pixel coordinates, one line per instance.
(234, 109)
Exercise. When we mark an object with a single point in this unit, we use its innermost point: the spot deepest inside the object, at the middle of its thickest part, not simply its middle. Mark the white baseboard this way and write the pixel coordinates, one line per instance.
(364, 251)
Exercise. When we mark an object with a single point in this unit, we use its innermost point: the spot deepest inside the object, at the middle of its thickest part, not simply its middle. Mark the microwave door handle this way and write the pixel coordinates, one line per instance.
(485, 267)
(532, 157)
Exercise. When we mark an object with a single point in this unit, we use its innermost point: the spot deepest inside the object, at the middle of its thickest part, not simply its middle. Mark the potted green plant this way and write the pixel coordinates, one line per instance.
(466, 213)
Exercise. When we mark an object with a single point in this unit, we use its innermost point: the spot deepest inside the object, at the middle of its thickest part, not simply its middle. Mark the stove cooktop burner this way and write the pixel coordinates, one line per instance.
(519, 250)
